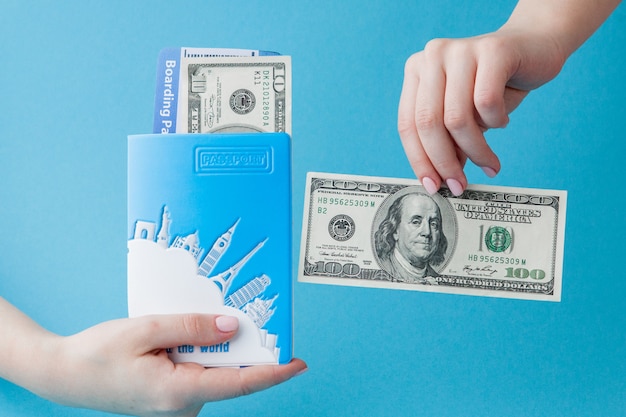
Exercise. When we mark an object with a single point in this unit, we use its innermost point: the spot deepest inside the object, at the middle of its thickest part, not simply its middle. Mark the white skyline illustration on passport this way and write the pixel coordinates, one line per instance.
(176, 278)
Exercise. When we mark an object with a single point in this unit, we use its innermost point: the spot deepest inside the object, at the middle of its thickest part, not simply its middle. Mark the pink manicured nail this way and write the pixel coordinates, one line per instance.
(429, 185)
(489, 171)
(454, 186)
(227, 324)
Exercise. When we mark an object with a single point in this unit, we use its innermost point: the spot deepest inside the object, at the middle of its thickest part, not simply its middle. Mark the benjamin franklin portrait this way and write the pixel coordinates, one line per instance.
(410, 241)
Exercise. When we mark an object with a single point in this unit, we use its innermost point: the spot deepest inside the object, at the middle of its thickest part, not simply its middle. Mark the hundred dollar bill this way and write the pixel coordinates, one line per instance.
(205, 93)
(390, 233)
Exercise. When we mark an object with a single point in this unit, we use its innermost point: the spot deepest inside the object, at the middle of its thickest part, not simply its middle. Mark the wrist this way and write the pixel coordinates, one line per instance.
(537, 55)
(41, 369)
(30, 362)
(566, 23)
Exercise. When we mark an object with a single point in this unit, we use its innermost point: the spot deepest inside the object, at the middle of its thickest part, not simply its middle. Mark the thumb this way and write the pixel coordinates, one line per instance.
(513, 97)
(166, 331)
(492, 76)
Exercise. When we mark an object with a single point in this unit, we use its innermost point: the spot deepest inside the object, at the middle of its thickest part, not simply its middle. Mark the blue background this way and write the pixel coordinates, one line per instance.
(78, 77)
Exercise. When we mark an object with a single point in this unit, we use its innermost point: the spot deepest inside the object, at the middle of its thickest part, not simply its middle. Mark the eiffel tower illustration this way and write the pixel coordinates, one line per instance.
(225, 279)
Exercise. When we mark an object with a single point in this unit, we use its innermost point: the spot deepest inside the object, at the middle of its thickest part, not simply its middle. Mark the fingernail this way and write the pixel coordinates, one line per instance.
(489, 171)
(429, 185)
(454, 186)
(227, 324)
(302, 371)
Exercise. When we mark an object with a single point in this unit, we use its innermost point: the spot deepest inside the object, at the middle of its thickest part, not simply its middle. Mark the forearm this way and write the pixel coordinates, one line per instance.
(27, 355)
(568, 22)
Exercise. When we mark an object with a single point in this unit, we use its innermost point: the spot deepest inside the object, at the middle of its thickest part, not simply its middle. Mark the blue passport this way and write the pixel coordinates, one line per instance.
(209, 225)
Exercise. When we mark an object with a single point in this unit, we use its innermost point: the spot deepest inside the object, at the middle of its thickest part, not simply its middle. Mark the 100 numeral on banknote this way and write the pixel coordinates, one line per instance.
(390, 233)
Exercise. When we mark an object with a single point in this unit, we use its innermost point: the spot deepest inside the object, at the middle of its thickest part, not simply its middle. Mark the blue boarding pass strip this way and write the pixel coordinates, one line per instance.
(168, 76)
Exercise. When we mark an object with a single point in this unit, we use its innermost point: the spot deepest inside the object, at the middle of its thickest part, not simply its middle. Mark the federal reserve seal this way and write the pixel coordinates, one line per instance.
(341, 227)
(242, 101)
(498, 239)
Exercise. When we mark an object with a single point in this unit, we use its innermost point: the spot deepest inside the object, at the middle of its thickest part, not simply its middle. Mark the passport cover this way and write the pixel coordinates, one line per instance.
(209, 223)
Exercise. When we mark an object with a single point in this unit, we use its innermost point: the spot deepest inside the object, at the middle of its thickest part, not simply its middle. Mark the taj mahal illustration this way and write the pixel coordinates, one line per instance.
(249, 298)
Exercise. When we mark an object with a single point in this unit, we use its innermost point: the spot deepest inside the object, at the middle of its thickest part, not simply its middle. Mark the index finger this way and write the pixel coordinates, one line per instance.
(407, 128)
